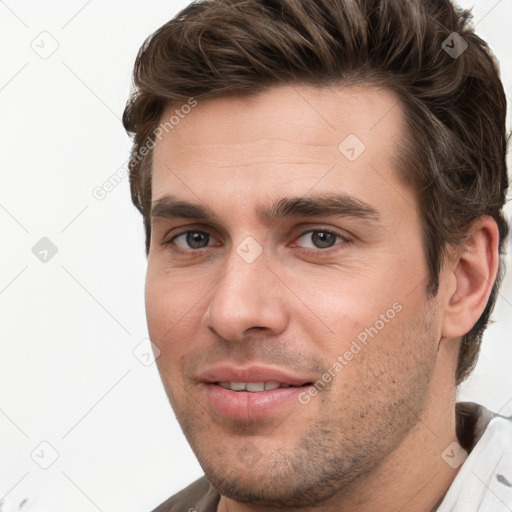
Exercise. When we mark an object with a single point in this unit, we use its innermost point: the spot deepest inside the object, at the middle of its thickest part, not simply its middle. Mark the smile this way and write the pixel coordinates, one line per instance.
(253, 387)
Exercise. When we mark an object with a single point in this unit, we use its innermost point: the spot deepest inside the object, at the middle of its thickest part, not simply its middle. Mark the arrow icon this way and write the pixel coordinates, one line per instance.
(148, 357)
(454, 45)
(45, 45)
(249, 455)
(454, 455)
(44, 455)
(249, 249)
(352, 147)
(44, 250)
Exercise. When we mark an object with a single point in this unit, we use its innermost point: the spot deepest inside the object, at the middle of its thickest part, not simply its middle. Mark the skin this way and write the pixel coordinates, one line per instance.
(372, 438)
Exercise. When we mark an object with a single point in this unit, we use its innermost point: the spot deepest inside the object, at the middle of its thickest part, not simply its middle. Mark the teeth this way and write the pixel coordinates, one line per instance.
(253, 387)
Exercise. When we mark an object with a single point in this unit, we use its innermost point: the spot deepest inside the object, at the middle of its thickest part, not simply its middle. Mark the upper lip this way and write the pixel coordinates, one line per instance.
(253, 373)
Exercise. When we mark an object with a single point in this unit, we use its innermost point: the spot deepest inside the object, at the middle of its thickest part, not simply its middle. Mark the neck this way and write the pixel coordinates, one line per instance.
(413, 477)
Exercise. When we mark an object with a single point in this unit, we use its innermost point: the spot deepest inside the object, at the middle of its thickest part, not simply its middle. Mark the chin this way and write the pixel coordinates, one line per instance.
(275, 484)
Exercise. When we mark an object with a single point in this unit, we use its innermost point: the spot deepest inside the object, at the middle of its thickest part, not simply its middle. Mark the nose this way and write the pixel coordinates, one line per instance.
(248, 297)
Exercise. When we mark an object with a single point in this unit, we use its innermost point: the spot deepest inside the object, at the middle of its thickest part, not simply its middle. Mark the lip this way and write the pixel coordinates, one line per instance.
(249, 405)
(253, 373)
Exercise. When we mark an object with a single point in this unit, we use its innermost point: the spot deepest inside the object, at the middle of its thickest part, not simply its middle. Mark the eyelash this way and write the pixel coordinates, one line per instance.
(315, 252)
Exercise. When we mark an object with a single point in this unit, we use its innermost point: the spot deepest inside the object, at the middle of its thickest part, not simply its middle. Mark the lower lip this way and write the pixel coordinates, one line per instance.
(247, 405)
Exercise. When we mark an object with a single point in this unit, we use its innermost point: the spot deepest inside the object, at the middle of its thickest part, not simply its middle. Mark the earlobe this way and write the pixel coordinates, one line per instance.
(474, 270)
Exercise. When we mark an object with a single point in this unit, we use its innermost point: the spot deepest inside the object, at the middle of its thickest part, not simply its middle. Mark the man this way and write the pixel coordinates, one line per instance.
(322, 185)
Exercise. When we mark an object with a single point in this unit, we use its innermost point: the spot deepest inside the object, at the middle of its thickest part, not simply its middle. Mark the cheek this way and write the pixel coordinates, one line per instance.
(385, 358)
(378, 317)
(345, 308)
(173, 314)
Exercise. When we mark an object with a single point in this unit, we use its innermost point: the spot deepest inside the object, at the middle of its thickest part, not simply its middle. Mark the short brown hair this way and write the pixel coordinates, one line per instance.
(455, 153)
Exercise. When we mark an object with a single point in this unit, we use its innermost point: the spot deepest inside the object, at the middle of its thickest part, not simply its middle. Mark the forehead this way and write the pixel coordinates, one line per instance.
(291, 138)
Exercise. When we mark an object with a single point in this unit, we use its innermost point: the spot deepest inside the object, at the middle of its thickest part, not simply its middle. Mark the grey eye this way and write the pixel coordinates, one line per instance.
(192, 240)
(318, 239)
(323, 239)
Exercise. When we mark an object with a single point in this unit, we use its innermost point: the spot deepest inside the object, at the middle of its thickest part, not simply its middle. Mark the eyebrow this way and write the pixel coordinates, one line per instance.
(322, 205)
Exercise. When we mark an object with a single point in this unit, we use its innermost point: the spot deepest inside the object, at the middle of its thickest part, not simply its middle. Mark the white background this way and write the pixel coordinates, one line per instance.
(68, 327)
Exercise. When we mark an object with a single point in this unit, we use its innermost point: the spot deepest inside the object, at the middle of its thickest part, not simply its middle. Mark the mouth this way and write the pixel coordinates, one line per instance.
(257, 387)
(252, 392)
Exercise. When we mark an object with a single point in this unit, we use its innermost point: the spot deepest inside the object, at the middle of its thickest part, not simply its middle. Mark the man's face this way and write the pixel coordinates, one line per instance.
(300, 263)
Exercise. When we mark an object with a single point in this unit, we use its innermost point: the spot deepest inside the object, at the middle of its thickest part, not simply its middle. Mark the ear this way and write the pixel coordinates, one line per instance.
(472, 271)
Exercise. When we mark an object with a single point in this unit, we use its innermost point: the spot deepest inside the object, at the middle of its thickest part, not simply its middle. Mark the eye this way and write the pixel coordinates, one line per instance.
(192, 240)
(319, 239)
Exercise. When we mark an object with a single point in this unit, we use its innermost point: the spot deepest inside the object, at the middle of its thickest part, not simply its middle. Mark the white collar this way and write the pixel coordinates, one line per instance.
(484, 482)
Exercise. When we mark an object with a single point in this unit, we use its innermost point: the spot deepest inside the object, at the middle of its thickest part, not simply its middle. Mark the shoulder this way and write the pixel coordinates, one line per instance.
(199, 496)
